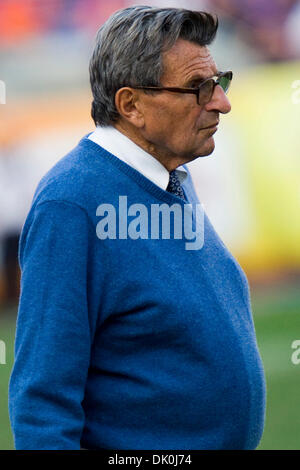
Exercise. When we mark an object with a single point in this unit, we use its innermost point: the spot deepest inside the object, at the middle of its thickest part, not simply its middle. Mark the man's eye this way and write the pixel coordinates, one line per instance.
(197, 84)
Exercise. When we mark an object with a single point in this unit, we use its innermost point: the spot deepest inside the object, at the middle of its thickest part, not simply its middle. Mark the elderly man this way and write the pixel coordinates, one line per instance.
(128, 339)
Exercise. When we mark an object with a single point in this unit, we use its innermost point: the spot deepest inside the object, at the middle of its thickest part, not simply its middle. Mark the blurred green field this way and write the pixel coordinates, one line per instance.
(277, 323)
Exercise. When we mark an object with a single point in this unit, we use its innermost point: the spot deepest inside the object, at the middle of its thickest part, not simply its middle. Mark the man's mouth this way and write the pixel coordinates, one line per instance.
(213, 126)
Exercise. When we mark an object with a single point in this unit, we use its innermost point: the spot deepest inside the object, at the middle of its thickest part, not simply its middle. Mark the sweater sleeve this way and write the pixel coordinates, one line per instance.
(53, 336)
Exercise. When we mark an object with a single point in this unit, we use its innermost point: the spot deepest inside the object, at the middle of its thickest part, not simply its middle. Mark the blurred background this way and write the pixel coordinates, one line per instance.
(250, 185)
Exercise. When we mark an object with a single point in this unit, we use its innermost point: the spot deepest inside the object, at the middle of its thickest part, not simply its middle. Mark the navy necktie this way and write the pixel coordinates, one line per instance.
(174, 185)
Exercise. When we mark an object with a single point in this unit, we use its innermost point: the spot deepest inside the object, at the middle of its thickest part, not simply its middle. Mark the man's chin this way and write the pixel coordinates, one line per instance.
(207, 149)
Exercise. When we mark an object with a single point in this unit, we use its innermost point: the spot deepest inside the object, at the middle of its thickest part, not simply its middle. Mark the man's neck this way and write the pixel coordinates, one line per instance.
(169, 161)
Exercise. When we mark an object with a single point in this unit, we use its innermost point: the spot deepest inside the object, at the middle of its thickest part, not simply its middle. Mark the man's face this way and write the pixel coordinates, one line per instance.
(175, 124)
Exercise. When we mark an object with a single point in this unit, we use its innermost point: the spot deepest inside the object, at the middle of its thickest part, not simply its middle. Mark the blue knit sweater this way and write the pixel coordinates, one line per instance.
(128, 343)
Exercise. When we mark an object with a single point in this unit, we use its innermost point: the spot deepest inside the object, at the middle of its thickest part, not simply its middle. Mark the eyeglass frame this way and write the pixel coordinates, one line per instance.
(194, 91)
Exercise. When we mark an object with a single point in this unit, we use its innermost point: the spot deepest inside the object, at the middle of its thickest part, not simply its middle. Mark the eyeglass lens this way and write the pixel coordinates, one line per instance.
(206, 90)
(224, 82)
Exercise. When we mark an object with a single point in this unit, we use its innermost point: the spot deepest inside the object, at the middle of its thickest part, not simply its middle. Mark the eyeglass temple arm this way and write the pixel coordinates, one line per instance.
(182, 90)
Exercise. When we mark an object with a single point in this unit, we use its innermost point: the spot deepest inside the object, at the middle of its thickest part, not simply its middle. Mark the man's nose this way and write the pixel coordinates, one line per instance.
(219, 101)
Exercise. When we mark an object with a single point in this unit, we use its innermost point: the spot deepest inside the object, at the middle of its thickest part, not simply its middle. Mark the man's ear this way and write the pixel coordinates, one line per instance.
(128, 105)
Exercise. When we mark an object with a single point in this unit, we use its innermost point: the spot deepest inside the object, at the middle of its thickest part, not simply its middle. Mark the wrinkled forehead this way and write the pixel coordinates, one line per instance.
(186, 60)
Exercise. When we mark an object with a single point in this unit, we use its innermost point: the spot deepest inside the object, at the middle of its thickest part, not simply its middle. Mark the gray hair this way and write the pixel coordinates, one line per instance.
(129, 48)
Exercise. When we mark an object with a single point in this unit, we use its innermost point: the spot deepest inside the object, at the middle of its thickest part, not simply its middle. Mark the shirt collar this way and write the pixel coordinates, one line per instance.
(125, 149)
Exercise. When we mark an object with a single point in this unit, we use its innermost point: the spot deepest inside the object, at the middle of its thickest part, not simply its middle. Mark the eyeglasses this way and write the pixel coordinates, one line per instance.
(204, 91)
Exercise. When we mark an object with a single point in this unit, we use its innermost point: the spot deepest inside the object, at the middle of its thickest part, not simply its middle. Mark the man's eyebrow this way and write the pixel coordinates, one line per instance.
(199, 79)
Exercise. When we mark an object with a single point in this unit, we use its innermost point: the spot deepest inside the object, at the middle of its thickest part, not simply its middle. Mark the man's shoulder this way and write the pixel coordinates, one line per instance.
(73, 178)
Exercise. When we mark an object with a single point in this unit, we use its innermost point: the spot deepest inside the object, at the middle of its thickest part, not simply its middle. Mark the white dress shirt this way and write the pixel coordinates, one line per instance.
(125, 149)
